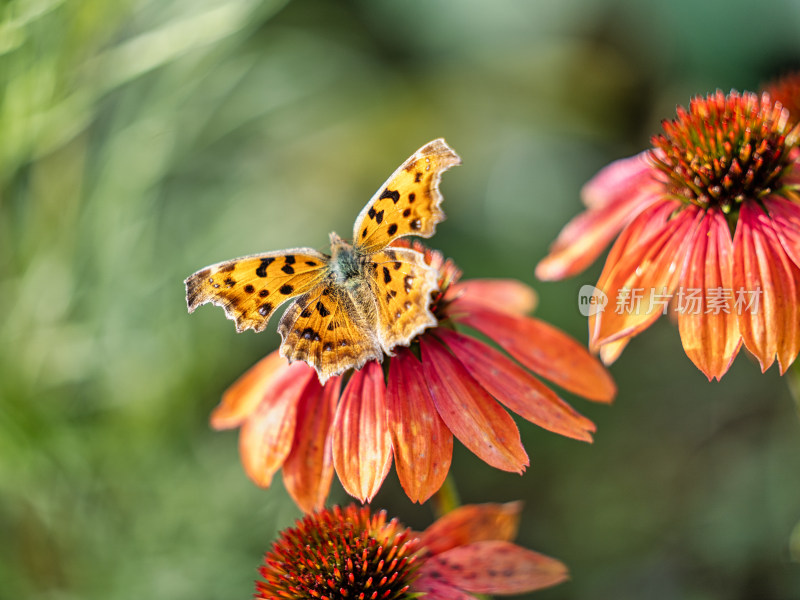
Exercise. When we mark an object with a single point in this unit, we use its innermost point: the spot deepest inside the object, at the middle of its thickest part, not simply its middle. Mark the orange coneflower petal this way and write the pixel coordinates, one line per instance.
(495, 567)
(472, 523)
(468, 410)
(763, 270)
(362, 448)
(266, 437)
(709, 329)
(516, 389)
(614, 196)
(641, 283)
(785, 216)
(610, 352)
(545, 350)
(308, 470)
(422, 443)
(508, 295)
(241, 398)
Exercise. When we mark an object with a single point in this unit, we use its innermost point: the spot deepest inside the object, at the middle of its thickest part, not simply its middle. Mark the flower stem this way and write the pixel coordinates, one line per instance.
(793, 381)
(446, 499)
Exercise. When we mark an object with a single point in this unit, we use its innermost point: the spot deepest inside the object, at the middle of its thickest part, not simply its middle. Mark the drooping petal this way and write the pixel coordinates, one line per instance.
(472, 523)
(362, 448)
(763, 273)
(422, 443)
(240, 399)
(614, 196)
(785, 216)
(266, 437)
(468, 410)
(308, 470)
(495, 567)
(545, 350)
(434, 589)
(641, 283)
(708, 327)
(649, 223)
(517, 389)
(507, 295)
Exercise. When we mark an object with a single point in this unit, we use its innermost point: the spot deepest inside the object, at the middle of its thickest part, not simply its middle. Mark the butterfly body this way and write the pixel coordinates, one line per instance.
(357, 303)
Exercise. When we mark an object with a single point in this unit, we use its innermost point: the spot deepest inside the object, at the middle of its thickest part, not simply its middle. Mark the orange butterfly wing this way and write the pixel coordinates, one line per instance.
(408, 203)
(251, 288)
(328, 329)
(402, 285)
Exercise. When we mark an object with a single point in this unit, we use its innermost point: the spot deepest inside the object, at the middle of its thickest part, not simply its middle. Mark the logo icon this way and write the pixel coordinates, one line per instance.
(591, 300)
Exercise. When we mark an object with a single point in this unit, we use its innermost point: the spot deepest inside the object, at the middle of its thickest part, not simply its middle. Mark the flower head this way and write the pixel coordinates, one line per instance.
(446, 384)
(709, 220)
(349, 553)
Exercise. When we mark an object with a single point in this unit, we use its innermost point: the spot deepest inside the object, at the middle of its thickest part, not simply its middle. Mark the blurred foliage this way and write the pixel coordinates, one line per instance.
(141, 140)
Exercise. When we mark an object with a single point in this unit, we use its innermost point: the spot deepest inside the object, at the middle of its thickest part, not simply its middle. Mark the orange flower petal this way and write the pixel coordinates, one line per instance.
(362, 448)
(472, 523)
(473, 416)
(650, 270)
(614, 197)
(422, 443)
(308, 470)
(495, 567)
(611, 351)
(785, 216)
(240, 399)
(433, 589)
(545, 350)
(266, 437)
(517, 389)
(760, 263)
(710, 331)
(507, 295)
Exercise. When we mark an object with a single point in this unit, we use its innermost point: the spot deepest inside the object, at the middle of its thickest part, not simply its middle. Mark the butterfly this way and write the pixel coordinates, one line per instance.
(357, 303)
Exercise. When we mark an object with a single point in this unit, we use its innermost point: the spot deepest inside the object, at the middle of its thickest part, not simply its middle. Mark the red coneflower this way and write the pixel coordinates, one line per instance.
(710, 220)
(348, 553)
(447, 383)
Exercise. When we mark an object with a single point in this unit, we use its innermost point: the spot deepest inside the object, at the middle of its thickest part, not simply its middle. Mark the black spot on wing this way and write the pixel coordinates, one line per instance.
(261, 271)
(286, 289)
(392, 229)
(287, 268)
(393, 194)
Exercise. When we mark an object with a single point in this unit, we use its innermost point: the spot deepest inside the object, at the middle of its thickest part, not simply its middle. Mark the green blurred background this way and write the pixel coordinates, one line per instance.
(141, 140)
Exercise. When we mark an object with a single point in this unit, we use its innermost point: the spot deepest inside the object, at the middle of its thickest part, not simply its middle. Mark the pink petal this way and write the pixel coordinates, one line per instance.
(308, 470)
(240, 399)
(495, 567)
(507, 295)
(614, 197)
(468, 410)
(545, 350)
(434, 589)
(472, 523)
(760, 263)
(362, 448)
(517, 389)
(710, 331)
(785, 217)
(651, 270)
(266, 437)
(423, 445)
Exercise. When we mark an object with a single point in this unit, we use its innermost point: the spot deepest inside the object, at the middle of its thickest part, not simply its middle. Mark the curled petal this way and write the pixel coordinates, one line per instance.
(517, 389)
(472, 523)
(762, 270)
(709, 329)
(495, 567)
(240, 399)
(644, 279)
(610, 352)
(362, 448)
(468, 410)
(785, 216)
(266, 437)
(545, 350)
(308, 470)
(614, 196)
(422, 443)
(507, 295)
